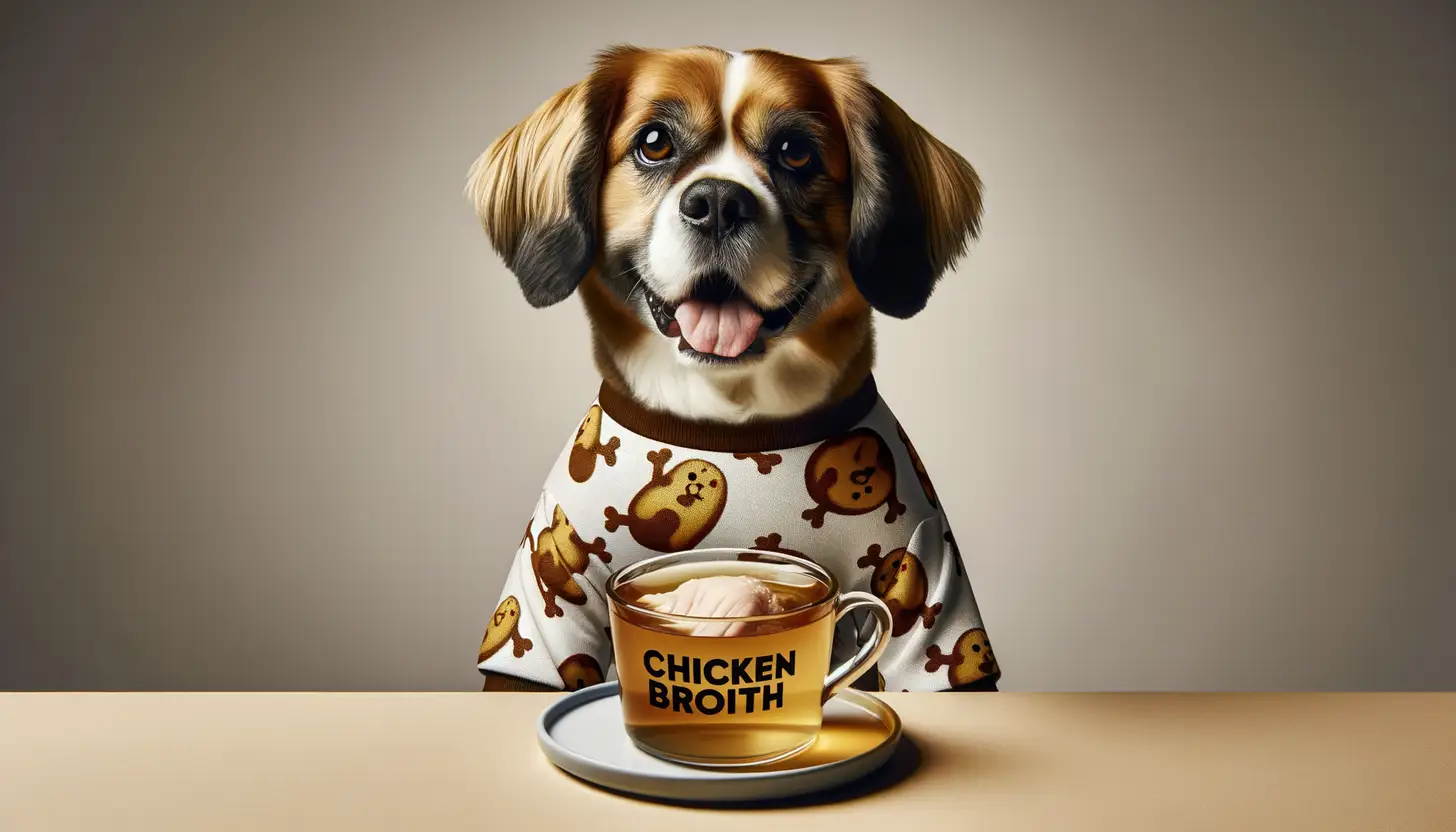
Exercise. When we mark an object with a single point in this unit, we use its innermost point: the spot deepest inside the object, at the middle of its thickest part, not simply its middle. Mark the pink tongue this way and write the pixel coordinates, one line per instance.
(724, 329)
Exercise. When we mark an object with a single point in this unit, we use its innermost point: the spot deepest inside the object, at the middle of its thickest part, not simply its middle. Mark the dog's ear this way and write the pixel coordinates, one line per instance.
(916, 203)
(535, 189)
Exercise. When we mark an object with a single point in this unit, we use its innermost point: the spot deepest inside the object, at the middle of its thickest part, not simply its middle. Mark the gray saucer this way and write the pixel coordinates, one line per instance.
(583, 734)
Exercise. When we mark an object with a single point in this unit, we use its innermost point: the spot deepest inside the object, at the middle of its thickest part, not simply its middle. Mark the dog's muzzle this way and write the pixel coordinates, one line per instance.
(718, 293)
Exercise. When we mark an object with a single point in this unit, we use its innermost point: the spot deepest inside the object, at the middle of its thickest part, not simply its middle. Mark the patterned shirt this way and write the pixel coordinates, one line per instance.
(842, 487)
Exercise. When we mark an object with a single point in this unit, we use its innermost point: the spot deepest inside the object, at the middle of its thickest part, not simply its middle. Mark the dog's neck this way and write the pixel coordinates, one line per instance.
(825, 363)
(790, 381)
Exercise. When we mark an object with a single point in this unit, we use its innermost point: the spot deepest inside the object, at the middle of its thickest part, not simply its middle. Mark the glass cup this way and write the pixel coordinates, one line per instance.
(724, 692)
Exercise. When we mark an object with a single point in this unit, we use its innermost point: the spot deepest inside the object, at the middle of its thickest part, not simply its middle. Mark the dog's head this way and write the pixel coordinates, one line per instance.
(726, 201)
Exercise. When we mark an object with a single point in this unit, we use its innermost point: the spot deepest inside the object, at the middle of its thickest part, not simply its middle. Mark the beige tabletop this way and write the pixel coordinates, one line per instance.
(1004, 761)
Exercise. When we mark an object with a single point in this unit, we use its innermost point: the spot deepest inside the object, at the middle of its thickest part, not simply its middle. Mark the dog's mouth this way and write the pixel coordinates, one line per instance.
(717, 324)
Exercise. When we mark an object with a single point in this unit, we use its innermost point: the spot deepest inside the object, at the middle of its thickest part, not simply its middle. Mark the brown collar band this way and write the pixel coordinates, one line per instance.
(754, 436)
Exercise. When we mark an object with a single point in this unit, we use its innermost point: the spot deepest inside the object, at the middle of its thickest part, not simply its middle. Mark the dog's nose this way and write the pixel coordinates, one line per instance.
(717, 207)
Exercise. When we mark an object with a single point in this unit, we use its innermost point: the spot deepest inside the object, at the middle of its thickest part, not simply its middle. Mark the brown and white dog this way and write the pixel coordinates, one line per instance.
(730, 221)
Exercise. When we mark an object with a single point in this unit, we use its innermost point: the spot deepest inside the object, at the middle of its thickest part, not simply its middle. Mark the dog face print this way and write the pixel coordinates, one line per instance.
(850, 475)
(677, 508)
(504, 627)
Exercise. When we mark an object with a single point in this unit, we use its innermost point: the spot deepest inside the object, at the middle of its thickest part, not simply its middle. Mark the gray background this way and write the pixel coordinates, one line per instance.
(272, 414)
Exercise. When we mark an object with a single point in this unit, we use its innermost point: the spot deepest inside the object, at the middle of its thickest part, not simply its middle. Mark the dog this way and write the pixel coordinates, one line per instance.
(731, 221)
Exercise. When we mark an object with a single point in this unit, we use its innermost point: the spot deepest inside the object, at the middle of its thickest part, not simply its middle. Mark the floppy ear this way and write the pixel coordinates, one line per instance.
(535, 189)
(916, 203)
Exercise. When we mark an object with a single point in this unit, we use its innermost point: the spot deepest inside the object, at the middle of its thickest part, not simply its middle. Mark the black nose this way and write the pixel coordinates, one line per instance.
(718, 207)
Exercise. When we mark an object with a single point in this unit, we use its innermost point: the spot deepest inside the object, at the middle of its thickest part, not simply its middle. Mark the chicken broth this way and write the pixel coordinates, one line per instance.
(694, 690)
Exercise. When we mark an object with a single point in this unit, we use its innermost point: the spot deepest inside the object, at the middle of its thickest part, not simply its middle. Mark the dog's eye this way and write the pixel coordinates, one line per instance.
(796, 153)
(654, 145)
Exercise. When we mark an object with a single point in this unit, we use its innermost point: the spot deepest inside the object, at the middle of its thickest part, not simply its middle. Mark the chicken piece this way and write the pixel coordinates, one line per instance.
(717, 596)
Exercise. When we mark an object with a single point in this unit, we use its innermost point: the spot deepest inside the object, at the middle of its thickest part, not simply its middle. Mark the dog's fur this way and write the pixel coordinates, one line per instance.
(881, 211)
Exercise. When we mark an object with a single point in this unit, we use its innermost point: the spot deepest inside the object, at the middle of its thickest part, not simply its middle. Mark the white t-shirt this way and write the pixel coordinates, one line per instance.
(842, 486)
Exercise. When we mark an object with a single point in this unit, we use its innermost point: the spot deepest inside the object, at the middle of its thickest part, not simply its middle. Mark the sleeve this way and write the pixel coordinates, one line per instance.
(940, 642)
(550, 624)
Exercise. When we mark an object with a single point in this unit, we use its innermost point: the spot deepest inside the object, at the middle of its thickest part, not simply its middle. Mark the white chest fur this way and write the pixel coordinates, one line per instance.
(788, 381)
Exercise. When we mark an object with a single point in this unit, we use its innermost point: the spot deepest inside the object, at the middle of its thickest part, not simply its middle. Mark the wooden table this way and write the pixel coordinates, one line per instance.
(99, 761)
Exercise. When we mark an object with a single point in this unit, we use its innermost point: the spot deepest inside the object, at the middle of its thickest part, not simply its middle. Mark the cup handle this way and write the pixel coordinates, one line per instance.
(843, 676)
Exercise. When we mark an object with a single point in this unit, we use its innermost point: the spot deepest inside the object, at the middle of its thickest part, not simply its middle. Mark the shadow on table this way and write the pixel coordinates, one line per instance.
(906, 760)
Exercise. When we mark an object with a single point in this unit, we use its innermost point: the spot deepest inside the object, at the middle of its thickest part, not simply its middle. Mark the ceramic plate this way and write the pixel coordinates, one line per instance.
(583, 734)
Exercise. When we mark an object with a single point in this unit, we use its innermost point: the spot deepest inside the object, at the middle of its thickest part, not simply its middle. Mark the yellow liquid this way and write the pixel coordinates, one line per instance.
(726, 700)
(837, 740)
